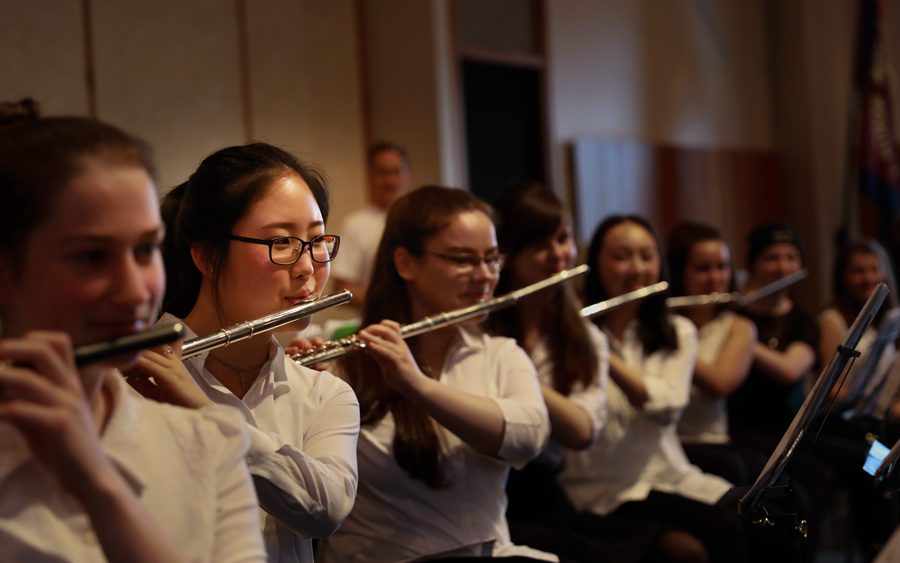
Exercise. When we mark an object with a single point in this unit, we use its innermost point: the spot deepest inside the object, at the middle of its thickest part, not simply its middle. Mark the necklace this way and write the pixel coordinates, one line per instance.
(241, 372)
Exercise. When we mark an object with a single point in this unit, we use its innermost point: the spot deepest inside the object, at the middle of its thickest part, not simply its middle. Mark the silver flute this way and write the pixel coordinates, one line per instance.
(735, 298)
(337, 348)
(607, 304)
(245, 330)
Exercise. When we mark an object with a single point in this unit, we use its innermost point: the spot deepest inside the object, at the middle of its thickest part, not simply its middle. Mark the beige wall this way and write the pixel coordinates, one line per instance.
(42, 54)
(167, 71)
(306, 91)
(410, 90)
(170, 71)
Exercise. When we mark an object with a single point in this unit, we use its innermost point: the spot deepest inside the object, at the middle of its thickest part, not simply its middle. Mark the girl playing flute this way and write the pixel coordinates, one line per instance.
(571, 356)
(90, 470)
(246, 238)
(637, 467)
(445, 414)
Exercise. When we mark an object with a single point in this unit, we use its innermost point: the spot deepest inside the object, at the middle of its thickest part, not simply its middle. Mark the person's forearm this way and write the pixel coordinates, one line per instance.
(475, 419)
(630, 381)
(785, 367)
(310, 490)
(720, 378)
(570, 425)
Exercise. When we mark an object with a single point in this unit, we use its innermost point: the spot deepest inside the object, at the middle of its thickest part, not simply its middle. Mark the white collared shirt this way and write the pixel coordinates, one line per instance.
(303, 430)
(360, 235)
(185, 465)
(398, 518)
(591, 398)
(705, 419)
(638, 450)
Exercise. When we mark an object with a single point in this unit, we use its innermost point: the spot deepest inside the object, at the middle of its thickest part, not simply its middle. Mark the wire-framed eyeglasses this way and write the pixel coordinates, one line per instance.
(466, 263)
(285, 251)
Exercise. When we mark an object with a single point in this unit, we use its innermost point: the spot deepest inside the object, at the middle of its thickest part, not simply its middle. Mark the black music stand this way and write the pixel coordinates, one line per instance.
(812, 405)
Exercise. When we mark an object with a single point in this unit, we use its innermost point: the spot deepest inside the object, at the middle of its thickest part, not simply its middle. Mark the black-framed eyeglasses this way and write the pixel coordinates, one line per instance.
(466, 263)
(285, 251)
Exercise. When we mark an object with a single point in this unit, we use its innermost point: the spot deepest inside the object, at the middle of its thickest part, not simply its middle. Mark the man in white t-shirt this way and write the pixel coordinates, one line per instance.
(389, 178)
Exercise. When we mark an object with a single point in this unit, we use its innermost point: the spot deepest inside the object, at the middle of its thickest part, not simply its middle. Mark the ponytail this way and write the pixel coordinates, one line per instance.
(183, 278)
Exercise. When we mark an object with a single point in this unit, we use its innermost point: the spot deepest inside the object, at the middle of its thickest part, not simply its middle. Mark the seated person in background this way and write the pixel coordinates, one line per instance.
(571, 356)
(858, 268)
(389, 178)
(444, 414)
(762, 408)
(90, 470)
(787, 338)
(700, 264)
(637, 467)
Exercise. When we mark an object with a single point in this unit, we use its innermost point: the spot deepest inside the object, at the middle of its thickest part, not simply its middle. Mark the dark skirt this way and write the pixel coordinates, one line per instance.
(541, 516)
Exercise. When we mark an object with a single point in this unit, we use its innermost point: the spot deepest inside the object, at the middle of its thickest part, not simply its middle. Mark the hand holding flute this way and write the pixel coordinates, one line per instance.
(44, 398)
(398, 367)
(159, 374)
(54, 407)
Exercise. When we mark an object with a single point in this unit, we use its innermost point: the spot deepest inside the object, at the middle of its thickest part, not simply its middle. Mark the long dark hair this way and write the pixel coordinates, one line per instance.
(204, 210)
(655, 330)
(683, 238)
(411, 222)
(39, 156)
(840, 298)
(528, 213)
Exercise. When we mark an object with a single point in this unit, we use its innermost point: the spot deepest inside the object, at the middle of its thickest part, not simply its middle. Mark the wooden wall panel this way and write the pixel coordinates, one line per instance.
(609, 178)
(733, 190)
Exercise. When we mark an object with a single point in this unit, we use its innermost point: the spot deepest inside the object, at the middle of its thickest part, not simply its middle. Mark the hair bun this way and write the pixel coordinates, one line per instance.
(22, 110)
